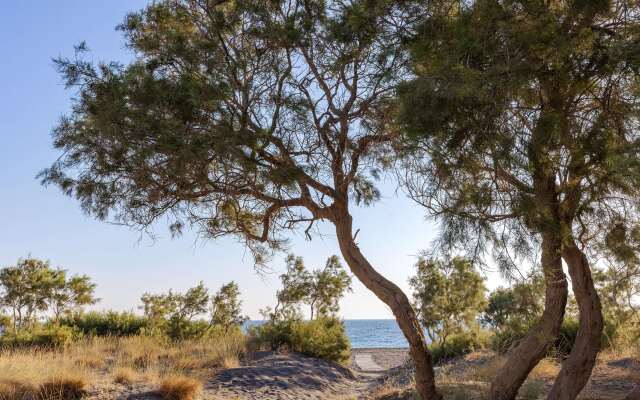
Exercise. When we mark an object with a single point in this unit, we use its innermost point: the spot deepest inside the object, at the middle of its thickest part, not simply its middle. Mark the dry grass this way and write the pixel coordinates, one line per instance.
(547, 368)
(62, 388)
(59, 388)
(180, 388)
(124, 376)
(39, 374)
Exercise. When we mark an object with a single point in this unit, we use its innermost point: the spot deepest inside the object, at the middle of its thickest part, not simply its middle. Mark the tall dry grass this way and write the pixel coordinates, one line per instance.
(39, 373)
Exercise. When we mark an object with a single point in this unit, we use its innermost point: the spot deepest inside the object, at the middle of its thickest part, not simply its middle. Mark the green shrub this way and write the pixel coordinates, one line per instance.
(458, 345)
(110, 323)
(272, 335)
(181, 329)
(322, 338)
(502, 341)
(49, 336)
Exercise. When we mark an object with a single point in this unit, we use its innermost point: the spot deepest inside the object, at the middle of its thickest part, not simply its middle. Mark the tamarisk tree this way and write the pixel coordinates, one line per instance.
(247, 118)
(524, 120)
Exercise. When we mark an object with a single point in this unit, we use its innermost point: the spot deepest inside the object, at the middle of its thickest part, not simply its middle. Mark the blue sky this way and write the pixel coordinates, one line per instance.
(43, 223)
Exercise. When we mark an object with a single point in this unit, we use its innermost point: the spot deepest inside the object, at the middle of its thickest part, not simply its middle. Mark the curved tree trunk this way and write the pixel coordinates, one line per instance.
(393, 296)
(576, 369)
(533, 347)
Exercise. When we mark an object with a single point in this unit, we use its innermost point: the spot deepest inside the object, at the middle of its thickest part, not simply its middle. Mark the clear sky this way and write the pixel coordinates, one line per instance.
(43, 223)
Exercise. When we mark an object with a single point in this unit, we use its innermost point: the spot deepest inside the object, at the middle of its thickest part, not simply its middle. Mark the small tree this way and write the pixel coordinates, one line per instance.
(449, 296)
(27, 289)
(321, 289)
(328, 286)
(226, 307)
(296, 286)
(520, 304)
(68, 295)
(174, 313)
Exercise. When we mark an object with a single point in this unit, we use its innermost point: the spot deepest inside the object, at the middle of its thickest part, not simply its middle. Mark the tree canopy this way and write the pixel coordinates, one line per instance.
(523, 120)
(32, 287)
(321, 289)
(226, 307)
(248, 118)
(449, 296)
(242, 117)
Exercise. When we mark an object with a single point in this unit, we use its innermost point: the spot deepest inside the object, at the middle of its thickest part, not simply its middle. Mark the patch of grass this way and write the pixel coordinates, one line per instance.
(124, 376)
(230, 362)
(24, 371)
(532, 389)
(62, 388)
(10, 390)
(59, 388)
(180, 388)
(547, 368)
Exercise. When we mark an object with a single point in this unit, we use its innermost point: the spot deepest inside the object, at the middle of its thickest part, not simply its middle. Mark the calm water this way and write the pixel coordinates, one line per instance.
(368, 333)
(371, 333)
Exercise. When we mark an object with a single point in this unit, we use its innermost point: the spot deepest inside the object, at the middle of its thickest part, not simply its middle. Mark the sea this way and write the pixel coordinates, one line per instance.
(370, 333)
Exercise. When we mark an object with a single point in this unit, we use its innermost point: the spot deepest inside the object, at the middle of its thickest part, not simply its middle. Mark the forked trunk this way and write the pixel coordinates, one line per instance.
(393, 296)
(576, 369)
(533, 347)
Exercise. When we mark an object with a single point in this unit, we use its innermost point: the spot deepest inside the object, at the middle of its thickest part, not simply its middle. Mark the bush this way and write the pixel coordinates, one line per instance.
(50, 336)
(110, 323)
(68, 388)
(458, 345)
(180, 388)
(322, 338)
(272, 335)
(502, 341)
(61, 388)
(181, 329)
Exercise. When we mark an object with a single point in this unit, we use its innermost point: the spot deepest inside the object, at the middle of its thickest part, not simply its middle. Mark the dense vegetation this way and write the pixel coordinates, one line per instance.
(320, 290)
(469, 318)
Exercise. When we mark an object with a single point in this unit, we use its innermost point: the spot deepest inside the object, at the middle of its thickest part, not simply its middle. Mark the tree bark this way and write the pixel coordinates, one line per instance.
(533, 347)
(634, 395)
(576, 369)
(393, 296)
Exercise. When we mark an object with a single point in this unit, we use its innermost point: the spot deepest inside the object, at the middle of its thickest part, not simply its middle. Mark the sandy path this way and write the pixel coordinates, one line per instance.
(278, 377)
(365, 362)
(286, 377)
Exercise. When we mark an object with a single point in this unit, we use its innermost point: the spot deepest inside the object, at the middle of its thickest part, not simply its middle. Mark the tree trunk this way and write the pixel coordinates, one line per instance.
(634, 395)
(576, 369)
(533, 347)
(393, 296)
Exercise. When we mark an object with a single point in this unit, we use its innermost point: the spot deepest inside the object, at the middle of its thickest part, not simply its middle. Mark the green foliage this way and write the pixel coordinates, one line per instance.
(522, 120)
(459, 344)
(517, 305)
(180, 315)
(165, 135)
(449, 295)
(71, 294)
(321, 289)
(41, 336)
(5, 322)
(109, 323)
(619, 286)
(226, 307)
(324, 337)
(173, 313)
(32, 286)
(272, 334)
